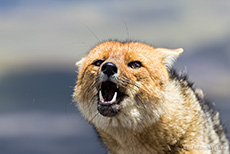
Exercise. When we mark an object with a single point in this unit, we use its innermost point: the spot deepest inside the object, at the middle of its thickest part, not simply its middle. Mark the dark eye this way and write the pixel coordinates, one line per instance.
(98, 62)
(135, 64)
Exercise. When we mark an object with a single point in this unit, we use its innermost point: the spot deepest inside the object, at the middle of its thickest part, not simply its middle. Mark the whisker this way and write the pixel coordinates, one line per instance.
(128, 82)
(89, 29)
(125, 114)
(127, 30)
(125, 82)
(139, 100)
(91, 87)
(91, 101)
(89, 91)
(93, 117)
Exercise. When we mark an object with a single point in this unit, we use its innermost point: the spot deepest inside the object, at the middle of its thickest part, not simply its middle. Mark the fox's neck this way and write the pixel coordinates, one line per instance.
(181, 120)
(154, 139)
(122, 140)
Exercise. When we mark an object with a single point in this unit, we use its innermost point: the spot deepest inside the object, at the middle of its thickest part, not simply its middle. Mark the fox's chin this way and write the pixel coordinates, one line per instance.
(125, 112)
(109, 99)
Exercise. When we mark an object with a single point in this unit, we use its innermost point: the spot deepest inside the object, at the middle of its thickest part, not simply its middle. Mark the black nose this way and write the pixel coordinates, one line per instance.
(109, 68)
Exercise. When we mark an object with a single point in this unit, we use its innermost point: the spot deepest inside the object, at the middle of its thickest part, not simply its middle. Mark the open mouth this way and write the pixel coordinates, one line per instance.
(109, 99)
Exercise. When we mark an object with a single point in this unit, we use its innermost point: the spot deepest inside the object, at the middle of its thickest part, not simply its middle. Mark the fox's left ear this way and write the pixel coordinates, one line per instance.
(79, 63)
(168, 56)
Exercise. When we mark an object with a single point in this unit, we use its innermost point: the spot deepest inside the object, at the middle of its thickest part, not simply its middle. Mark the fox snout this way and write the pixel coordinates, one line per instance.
(109, 69)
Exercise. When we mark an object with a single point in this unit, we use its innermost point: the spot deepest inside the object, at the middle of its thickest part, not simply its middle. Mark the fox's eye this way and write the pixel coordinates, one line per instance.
(135, 64)
(98, 62)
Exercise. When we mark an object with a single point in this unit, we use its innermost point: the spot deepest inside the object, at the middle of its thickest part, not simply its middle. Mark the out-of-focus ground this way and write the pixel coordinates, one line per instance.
(40, 41)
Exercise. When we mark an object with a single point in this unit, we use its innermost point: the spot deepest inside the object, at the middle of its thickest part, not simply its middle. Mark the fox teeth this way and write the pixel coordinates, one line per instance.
(101, 97)
(114, 97)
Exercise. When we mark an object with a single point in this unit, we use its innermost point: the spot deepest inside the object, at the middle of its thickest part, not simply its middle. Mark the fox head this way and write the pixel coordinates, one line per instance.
(123, 84)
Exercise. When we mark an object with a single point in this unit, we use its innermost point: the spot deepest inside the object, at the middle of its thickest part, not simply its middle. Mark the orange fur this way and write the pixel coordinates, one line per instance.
(157, 116)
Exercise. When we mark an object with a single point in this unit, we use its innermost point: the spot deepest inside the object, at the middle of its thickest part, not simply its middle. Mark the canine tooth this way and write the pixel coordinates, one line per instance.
(117, 86)
(114, 97)
(101, 97)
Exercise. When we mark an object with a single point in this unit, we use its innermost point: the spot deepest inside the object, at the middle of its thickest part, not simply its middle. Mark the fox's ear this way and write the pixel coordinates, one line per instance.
(168, 56)
(80, 62)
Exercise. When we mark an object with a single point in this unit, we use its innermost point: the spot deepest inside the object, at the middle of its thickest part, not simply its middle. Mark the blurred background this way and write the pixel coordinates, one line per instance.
(40, 41)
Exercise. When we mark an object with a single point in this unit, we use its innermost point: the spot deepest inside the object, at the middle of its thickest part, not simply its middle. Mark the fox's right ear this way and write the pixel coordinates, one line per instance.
(80, 62)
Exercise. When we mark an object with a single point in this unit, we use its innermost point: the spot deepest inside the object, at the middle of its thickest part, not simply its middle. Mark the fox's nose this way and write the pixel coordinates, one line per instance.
(109, 68)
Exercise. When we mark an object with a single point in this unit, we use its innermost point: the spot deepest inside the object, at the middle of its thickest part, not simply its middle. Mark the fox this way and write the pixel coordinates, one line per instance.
(138, 103)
